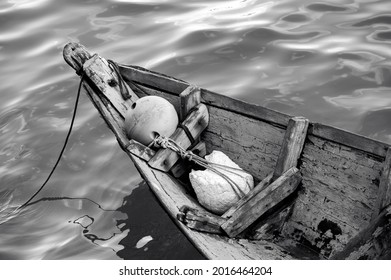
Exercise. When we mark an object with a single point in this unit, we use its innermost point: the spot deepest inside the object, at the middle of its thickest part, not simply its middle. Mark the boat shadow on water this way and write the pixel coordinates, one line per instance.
(152, 235)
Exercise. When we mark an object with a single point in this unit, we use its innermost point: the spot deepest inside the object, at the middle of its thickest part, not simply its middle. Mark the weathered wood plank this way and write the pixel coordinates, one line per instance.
(240, 203)
(262, 202)
(76, 55)
(290, 152)
(337, 195)
(196, 122)
(245, 109)
(189, 98)
(153, 79)
(384, 193)
(201, 220)
(371, 243)
(101, 75)
(140, 150)
(292, 145)
(348, 139)
(271, 227)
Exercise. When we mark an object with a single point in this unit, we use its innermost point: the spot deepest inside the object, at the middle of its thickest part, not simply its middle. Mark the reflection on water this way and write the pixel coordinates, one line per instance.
(326, 60)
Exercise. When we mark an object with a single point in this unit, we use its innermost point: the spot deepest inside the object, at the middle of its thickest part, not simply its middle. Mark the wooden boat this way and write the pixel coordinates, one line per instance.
(321, 192)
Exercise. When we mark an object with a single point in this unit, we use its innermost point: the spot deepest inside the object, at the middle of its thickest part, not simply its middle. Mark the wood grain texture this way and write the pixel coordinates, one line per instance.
(153, 79)
(292, 145)
(337, 195)
(76, 55)
(196, 122)
(140, 150)
(100, 74)
(201, 220)
(240, 203)
(259, 204)
(373, 242)
(384, 192)
(189, 98)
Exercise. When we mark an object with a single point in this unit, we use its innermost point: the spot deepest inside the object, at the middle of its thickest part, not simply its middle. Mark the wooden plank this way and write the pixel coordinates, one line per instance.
(339, 188)
(101, 75)
(196, 122)
(349, 139)
(292, 145)
(201, 220)
(371, 243)
(240, 203)
(189, 98)
(152, 79)
(384, 193)
(290, 152)
(258, 205)
(246, 109)
(140, 150)
(271, 227)
(76, 55)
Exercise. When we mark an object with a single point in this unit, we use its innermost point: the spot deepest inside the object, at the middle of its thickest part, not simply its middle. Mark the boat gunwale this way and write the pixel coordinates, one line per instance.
(175, 86)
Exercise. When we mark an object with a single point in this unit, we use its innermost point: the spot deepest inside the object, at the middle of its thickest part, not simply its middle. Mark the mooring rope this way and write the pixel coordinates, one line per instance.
(63, 147)
(168, 143)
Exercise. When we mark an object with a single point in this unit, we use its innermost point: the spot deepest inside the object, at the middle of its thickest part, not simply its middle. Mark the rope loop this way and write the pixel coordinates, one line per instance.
(122, 86)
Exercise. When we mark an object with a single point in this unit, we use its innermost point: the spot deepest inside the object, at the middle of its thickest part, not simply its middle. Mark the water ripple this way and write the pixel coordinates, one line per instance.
(326, 60)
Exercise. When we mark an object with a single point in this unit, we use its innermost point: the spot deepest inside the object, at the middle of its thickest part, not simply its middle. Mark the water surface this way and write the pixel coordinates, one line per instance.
(327, 60)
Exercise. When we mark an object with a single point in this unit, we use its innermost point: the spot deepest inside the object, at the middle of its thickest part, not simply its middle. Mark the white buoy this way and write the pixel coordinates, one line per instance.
(148, 117)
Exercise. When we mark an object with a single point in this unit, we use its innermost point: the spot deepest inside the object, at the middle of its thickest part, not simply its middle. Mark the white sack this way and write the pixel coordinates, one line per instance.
(213, 191)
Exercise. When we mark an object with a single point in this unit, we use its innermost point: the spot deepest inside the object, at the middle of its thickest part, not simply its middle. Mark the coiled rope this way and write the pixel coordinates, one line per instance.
(219, 169)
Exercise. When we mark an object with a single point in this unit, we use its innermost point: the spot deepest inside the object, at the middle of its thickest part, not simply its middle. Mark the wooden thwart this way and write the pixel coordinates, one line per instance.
(240, 203)
(259, 204)
(189, 98)
(292, 145)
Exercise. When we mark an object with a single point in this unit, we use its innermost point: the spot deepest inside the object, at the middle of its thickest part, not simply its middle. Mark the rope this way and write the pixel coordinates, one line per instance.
(168, 143)
(63, 148)
(122, 87)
